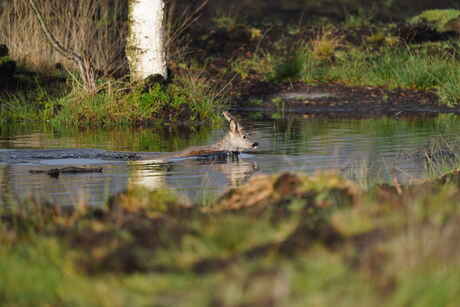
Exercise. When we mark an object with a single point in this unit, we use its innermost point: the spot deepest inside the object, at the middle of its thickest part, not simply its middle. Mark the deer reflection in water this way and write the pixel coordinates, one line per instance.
(223, 157)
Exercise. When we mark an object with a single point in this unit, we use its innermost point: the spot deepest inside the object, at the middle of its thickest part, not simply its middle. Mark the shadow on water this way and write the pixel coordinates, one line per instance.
(368, 151)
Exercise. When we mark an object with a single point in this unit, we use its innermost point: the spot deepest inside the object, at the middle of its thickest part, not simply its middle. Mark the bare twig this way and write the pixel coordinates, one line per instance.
(86, 70)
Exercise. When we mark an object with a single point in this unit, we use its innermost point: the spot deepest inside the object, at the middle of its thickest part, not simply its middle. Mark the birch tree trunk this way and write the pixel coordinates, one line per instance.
(145, 47)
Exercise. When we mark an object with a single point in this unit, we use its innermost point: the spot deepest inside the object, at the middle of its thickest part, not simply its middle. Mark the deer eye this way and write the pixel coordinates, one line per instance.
(245, 136)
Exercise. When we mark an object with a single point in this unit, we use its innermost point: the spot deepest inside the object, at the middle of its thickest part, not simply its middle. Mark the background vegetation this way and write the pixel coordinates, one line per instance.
(217, 50)
(96, 30)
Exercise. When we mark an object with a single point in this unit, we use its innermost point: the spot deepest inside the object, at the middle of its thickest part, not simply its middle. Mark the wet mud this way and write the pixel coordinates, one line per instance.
(341, 101)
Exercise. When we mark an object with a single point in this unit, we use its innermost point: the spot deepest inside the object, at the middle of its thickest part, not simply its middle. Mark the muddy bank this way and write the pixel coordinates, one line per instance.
(268, 75)
(340, 101)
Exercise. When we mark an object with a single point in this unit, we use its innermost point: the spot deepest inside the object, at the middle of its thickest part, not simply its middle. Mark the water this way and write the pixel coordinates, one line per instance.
(367, 151)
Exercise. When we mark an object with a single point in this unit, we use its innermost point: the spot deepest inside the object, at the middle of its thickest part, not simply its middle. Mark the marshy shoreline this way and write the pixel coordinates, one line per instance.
(284, 239)
(361, 65)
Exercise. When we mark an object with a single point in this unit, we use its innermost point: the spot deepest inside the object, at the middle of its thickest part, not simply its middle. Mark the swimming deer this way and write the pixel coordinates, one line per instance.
(231, 145)
(234, 142)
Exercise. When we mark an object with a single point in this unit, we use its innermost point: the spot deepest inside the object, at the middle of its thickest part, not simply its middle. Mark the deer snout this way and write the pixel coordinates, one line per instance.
(254, 145)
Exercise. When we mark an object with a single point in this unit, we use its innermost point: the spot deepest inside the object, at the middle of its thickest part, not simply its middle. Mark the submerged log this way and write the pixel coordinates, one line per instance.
(55, 172)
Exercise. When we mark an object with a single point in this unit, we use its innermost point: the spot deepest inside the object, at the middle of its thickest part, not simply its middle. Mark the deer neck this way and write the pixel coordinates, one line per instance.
(225, 144)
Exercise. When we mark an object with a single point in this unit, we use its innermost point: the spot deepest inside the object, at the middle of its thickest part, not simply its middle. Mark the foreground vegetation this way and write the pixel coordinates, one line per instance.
(220, 58)
(285, 240)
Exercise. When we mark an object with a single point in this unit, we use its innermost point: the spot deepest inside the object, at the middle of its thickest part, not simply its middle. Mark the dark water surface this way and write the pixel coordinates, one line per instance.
(367, 151)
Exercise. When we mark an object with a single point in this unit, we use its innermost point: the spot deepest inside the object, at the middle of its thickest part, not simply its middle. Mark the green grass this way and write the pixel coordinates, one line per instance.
(321, 241)
(379, 58)
(412, 68)
(190, 98)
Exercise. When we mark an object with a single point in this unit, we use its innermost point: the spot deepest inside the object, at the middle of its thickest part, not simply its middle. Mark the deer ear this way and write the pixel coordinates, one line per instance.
(227, 116)
(232, 122)
(233, 126)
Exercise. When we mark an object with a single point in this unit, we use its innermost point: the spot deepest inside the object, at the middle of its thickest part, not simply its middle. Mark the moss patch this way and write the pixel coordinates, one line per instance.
(439, 19)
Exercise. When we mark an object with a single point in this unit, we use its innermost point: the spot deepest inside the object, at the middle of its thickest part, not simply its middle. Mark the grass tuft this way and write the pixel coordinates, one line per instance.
(325, 44)
(412, 68)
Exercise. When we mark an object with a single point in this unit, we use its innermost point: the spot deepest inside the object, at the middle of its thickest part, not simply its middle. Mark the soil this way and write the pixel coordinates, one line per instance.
(340, 101)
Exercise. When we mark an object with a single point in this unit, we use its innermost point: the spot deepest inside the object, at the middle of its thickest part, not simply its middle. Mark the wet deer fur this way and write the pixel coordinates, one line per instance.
(234, 142)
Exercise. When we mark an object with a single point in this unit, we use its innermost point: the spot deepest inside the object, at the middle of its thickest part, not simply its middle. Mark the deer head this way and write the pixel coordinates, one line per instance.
(236, 139)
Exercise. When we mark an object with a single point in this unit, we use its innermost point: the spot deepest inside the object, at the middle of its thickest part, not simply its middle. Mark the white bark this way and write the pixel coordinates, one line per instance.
(145, 48)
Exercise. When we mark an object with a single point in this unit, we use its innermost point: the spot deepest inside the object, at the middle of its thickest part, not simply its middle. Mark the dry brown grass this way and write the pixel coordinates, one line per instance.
(325, 44)
(94, 29)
